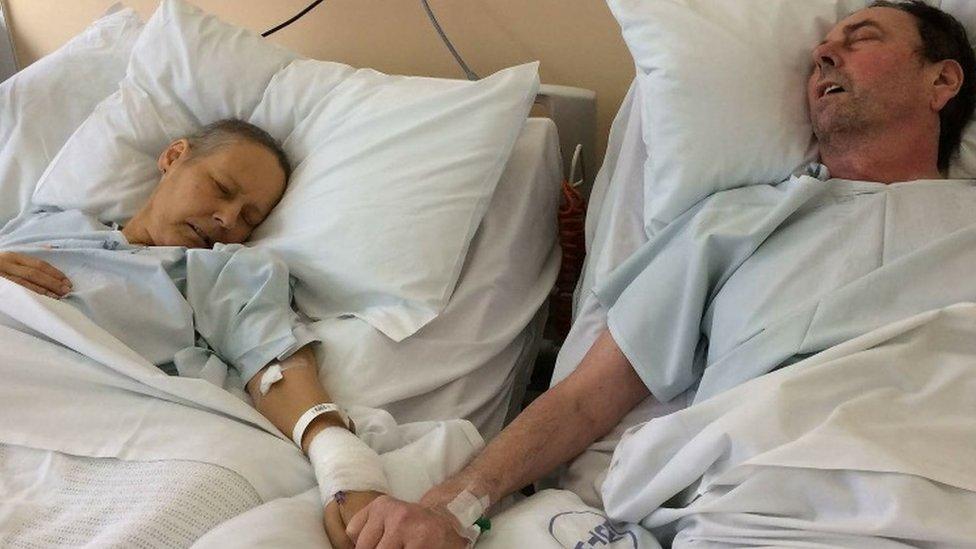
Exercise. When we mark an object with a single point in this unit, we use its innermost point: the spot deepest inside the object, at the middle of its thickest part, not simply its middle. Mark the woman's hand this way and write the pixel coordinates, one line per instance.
(338, 516)
(34, 274)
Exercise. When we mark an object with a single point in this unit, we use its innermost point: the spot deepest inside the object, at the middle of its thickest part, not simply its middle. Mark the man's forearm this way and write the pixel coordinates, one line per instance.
(558, 426)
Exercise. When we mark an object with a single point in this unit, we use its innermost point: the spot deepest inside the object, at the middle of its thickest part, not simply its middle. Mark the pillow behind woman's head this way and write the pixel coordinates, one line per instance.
(43, 104)
(392, 174)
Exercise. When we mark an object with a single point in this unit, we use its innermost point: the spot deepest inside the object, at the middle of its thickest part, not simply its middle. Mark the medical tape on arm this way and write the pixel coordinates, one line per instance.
(273, 374)
(344, 463)
(468, 508)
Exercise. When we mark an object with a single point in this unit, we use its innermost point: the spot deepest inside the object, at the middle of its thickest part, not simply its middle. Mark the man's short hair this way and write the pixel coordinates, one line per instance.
(229, 130)
(943, 37)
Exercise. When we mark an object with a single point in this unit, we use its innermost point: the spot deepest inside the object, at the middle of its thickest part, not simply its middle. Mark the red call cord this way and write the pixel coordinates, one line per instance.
(572, 240)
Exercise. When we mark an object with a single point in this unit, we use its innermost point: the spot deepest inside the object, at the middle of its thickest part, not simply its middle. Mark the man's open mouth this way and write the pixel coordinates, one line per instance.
(831, 89)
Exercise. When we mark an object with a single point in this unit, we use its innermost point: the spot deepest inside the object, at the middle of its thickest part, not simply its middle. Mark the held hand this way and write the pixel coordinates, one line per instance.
(34, 274)
(389, 522)
(337, 516)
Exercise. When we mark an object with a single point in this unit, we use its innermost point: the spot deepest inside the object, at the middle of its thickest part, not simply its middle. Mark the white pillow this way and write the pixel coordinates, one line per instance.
(392, 174)
(186, 69)
(964, 167)
(41, 105)
(724, 91)
(393, 177)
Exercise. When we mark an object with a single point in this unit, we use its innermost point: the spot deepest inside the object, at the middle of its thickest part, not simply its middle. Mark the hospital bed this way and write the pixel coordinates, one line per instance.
(848, 448)
(485, 339)
(813, 472)
(53, 498)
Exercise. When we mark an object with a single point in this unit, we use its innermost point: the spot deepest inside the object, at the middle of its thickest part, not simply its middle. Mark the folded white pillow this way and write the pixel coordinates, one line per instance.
(186, 69)
(392, 174)
(43, 104)
(964, 167)
(724, 92)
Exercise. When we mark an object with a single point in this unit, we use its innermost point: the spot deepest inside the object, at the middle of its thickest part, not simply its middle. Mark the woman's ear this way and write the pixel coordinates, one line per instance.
(176, 150)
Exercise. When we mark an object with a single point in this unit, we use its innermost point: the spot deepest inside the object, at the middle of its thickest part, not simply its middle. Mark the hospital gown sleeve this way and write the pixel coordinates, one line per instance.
(241, 301)
(657, 298)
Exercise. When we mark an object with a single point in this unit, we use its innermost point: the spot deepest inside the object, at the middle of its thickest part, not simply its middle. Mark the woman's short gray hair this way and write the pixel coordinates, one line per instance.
(229, 130)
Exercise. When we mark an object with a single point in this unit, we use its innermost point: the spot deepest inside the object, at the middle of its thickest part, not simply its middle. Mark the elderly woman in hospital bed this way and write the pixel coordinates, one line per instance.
(756, 278)
(186, 273)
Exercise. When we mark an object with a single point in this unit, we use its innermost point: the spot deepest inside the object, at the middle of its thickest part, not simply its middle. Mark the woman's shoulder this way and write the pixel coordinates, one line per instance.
(53, 222)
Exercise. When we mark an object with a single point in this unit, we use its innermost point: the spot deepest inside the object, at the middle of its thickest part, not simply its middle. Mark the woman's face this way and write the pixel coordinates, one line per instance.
(220, 196)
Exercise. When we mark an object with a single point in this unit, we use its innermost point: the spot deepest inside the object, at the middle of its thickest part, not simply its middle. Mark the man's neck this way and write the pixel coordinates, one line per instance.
(900, 154)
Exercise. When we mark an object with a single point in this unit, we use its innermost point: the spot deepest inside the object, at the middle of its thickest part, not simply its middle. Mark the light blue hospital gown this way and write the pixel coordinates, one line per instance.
(157, 299)
(759, 277)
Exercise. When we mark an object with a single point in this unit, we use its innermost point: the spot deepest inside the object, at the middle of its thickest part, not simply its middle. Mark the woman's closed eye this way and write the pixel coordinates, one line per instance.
(251, 219)
(221, 187)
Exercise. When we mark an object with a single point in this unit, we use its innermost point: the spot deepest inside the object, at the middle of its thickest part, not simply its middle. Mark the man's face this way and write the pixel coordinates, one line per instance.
(220, 196)
(867, 73)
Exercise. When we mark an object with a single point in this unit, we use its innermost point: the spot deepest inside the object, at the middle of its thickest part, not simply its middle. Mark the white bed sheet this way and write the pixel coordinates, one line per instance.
(100, 448)
(465, 363)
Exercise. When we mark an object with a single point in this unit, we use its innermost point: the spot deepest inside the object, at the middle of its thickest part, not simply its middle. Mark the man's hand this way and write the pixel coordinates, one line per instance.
(34, 274)
(337, 517)
(391, 523)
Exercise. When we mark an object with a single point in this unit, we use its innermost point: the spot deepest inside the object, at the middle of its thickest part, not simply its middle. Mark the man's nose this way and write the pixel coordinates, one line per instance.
(825, 55)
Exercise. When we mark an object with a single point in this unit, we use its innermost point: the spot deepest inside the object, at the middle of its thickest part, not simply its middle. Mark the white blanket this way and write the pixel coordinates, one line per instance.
(868, 444)
(68, 386)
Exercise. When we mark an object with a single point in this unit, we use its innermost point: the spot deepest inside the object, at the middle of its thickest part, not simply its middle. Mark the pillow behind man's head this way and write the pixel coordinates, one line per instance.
(724, 96)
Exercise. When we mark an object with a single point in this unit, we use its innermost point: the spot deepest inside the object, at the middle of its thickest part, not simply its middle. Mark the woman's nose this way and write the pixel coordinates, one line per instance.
(228, 216)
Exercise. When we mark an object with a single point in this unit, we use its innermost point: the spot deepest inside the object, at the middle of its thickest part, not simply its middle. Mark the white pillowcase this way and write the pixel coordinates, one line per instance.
(724, 91)
(392, 174)
(187, 69)
(393, 177)
(43, 104)
(964, 167)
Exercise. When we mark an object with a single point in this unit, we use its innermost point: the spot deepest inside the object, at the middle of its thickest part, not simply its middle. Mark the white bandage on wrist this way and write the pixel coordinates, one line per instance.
(467, 508)
(344, 463)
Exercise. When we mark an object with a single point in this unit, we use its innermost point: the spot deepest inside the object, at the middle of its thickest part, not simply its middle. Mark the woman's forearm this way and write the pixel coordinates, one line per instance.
(558, 426)
(297, 391)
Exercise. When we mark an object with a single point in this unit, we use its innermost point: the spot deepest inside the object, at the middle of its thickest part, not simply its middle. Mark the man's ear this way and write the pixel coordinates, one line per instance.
(946, 83)
(176, 150)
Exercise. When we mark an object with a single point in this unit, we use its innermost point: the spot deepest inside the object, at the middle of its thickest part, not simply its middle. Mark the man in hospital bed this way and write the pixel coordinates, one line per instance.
(757, 278)
(215, 187)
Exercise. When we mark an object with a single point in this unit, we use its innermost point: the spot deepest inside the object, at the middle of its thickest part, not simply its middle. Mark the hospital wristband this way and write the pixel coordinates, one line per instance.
(309, 416)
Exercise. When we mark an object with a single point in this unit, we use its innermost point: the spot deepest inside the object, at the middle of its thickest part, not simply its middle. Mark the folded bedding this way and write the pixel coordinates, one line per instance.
(866, 444)
(55, 499)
